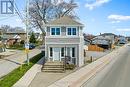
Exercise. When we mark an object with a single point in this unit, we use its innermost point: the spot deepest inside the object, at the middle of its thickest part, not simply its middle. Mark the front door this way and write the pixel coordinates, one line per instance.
(56, 53)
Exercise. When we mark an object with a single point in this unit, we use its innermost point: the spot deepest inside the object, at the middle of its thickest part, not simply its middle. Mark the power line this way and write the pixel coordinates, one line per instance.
(2, 19)
(17, 10)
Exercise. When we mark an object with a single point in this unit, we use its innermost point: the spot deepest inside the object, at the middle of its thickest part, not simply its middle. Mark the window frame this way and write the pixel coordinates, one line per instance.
(71, 31)
(55, 33)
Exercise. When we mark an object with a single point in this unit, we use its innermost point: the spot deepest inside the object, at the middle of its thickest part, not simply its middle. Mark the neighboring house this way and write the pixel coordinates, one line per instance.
(86, 43)
(101, 42)
(13, 36)
(128, 38)
(38, 36)
(110, 36)
(64, 37)
(122, 40)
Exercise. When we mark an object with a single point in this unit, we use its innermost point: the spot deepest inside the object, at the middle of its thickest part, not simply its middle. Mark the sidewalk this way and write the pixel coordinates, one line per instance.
(7, 53)
(9, 63)
(35, 78)
(77, 78)
(29, 76)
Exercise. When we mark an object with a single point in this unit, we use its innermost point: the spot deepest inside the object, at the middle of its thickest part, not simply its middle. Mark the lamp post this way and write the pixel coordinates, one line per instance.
(27, 27)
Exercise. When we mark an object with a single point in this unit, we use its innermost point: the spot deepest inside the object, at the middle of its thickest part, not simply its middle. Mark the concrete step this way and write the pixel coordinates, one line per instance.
(53, 64)
(53, 67)
(53, 71)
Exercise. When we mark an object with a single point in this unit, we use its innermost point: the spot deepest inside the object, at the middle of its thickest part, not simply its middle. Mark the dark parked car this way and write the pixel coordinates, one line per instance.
(31, 46)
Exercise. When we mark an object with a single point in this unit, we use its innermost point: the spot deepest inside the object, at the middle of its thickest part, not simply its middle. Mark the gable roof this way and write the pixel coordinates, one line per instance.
(108, 34)
(66, 20)
(11, 31)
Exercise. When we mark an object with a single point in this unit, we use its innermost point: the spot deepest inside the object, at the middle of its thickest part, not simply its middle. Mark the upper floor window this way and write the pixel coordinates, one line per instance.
(71, 31)
(55, 31)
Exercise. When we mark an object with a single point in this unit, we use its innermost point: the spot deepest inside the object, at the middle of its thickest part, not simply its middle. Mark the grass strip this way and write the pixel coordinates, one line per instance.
(10, 79)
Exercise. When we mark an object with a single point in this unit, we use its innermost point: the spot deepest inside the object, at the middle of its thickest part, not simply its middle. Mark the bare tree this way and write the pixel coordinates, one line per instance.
(5, 28)
(43, 11)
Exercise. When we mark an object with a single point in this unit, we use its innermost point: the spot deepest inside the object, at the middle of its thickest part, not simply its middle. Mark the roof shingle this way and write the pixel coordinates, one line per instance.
(64, 21)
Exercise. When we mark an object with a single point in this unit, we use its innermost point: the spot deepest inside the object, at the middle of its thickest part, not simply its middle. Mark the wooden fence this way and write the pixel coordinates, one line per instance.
(95, 48)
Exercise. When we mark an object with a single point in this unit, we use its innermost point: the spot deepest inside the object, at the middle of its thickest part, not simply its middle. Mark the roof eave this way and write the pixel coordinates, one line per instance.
(50, 25)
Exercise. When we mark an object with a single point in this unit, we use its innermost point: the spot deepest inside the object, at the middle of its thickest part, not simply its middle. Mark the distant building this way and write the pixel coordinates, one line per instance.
(102, 41)
(12, 36)
(110, 36)
(122, 40)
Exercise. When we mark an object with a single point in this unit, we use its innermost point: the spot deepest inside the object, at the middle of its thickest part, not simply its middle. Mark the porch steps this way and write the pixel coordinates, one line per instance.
(55, 67)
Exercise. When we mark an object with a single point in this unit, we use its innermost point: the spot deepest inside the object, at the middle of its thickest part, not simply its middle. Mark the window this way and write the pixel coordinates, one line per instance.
(51, 52)
(74, 31)
(73, 52)
(52, 31)
(71, 31)
(62, 52)
(55, 31)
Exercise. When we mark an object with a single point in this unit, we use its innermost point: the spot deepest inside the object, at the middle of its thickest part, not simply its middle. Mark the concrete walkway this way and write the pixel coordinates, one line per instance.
(43, 79)
(29, 76)
(9, 63)
(8, 53)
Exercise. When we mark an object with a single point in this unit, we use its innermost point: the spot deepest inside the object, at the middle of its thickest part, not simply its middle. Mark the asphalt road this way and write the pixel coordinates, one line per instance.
(116, 74)
(9, 63)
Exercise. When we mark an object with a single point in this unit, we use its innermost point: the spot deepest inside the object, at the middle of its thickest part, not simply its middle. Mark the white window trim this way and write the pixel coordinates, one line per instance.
(71, 31)
(55, 29)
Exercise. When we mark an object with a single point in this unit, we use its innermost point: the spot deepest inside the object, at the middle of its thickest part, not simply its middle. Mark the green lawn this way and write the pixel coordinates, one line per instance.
(17, 47)
(10, 79)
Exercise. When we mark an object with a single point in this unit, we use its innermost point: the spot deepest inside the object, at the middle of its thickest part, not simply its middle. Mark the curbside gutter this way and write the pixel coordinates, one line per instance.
(79, 77)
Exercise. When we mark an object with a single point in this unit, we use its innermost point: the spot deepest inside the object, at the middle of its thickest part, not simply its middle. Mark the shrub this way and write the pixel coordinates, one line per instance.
(70, 66)
(22, 42)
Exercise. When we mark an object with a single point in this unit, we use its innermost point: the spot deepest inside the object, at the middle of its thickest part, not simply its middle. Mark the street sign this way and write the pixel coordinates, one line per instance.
(26, 48)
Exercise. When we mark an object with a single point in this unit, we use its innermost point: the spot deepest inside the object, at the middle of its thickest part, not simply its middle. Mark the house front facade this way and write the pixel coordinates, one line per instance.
(109, 36)
(64, 38)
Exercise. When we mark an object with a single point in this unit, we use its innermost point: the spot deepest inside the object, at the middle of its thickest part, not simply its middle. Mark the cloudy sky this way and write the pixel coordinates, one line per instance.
(98, 16)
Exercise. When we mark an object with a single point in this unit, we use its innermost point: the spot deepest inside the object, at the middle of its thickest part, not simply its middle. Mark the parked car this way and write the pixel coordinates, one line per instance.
(31, 46)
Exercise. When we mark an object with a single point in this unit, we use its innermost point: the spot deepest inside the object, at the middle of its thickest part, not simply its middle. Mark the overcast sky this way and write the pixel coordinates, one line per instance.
(98, 16)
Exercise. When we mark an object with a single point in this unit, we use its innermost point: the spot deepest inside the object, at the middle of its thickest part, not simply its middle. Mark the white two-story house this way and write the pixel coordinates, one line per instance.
(64, 37)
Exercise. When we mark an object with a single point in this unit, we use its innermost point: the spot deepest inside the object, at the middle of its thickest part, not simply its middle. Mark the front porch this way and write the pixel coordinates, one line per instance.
(62, 54)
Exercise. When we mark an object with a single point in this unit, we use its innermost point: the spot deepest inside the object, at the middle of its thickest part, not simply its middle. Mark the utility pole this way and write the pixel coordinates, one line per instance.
(27, 28)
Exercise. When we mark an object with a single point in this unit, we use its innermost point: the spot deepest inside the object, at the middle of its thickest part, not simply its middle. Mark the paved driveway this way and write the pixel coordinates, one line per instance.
(95, 55)
(11, 62)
